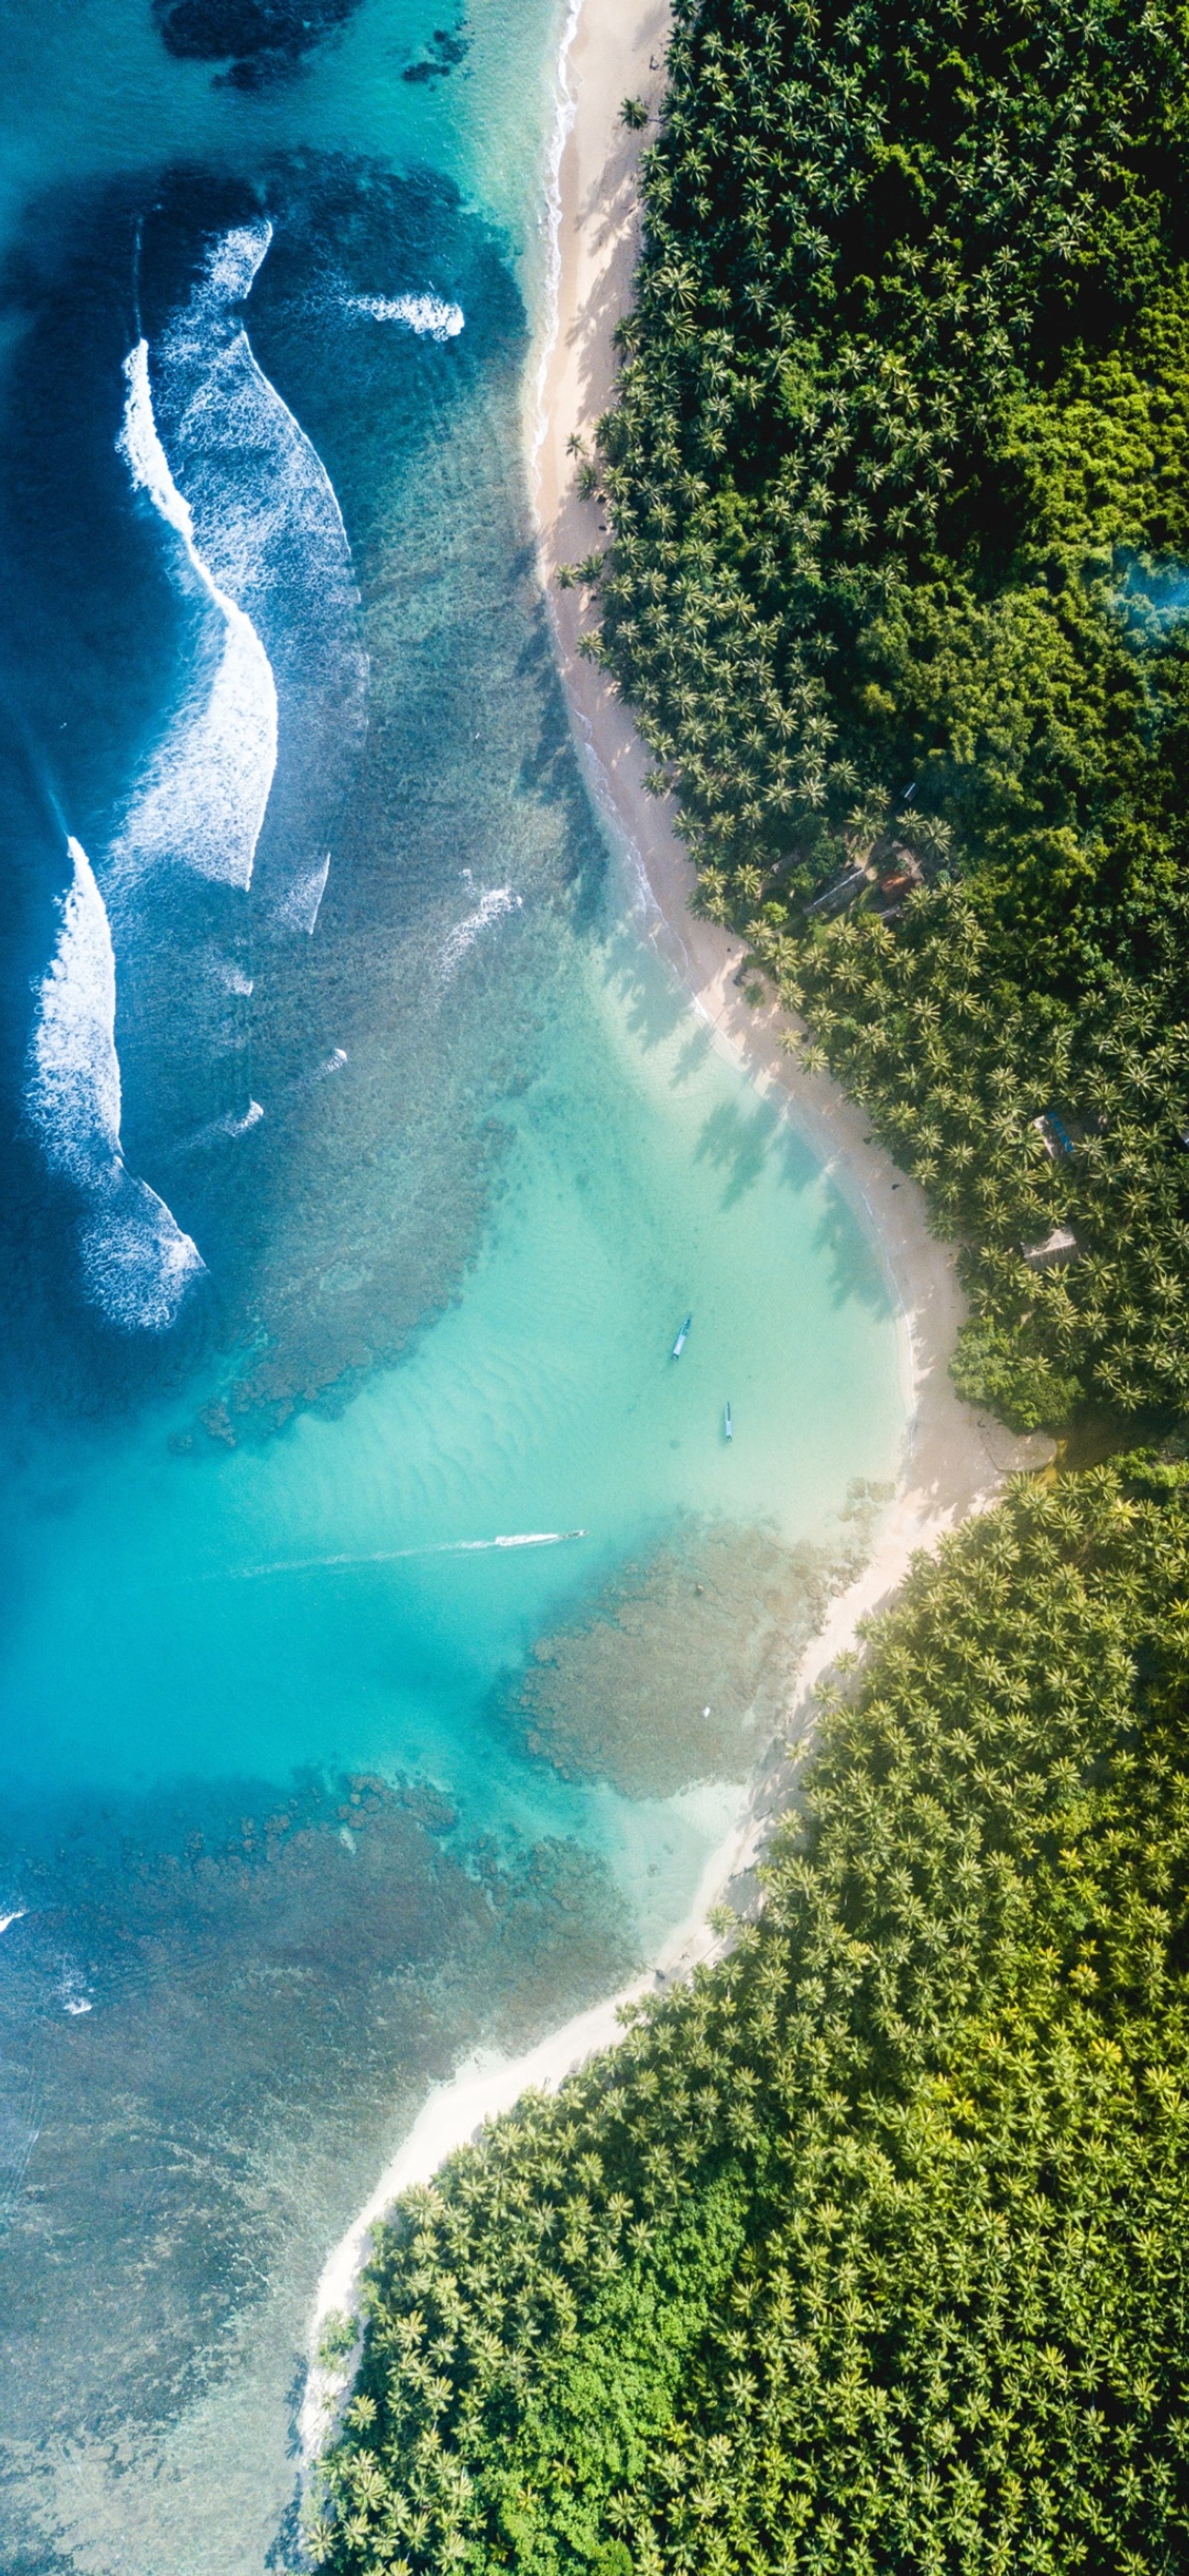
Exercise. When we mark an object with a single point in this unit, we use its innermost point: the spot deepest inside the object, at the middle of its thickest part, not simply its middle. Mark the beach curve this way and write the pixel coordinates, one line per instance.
(956, 1459)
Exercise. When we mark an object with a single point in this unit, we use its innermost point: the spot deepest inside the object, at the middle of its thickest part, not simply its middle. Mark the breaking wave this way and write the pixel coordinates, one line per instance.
(137, 1264)
(267, 747)
(73, 1097)
(330, 1064)
(492, 904)
(427, 315)
(225, 1130)
(266, 523)
(204, 799)
(299, 909)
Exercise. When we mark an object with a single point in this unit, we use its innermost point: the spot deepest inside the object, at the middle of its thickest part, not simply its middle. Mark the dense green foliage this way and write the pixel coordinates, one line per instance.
(899, 483)
(866, 2250)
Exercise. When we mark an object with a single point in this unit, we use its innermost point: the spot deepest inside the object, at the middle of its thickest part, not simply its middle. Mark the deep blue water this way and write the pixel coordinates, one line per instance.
(357, 1163)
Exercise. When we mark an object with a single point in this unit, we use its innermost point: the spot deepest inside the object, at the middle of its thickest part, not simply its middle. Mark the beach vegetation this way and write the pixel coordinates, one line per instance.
(866, 2248)
(898, 588)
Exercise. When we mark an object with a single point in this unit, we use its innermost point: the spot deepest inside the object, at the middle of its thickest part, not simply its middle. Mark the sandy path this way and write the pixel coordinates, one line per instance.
(955, 1459)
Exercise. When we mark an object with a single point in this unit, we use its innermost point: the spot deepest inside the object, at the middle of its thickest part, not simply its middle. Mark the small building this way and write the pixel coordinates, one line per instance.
(1062, 1130)
(836, 897)
(1058, 1248)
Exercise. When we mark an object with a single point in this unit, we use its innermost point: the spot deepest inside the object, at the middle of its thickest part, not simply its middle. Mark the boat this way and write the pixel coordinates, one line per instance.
(682, 1338)
(727, 1424)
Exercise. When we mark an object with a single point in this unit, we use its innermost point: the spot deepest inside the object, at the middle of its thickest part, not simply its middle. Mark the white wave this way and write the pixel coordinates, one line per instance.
(332, 1063)
(549, 326)
(266, 522)
(427, 315)
(204, 799)
(137, 1263)
(234, 1124)
(227, 466)
(299, 909)
(233, 265)
(73, 1094)
(17, 1916)
(234, 980)
(491, 906)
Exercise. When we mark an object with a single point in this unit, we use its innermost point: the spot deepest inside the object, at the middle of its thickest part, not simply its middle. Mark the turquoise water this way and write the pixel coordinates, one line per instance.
(333, 1596)
(387, 1628)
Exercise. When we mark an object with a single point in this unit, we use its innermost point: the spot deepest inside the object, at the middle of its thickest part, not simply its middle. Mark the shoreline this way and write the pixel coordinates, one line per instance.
(955, 1460)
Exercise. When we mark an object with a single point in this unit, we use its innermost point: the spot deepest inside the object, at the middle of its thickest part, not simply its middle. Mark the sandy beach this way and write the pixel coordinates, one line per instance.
(955, 1459)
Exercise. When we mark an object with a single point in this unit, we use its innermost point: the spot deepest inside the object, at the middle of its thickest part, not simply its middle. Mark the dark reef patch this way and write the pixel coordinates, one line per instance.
(187, 1974)
(259, 40)
(447, 48)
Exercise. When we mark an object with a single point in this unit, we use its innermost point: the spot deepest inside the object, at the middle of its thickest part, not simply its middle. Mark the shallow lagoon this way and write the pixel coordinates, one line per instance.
(309, 1787)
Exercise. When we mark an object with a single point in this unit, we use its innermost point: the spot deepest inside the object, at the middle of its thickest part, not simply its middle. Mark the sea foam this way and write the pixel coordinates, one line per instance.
(265, 522)
(225, 1130)
(137, 1264)
(299, 909)
(493, 903)
(204, 798)
(73, 1094)
(428, 315)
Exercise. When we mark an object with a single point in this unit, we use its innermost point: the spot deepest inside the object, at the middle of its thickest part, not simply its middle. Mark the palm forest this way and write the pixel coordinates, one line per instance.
(865, 2250)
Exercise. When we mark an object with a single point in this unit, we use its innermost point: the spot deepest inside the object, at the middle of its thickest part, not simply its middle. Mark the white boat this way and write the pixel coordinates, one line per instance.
(682, 1338)
(727, 1424)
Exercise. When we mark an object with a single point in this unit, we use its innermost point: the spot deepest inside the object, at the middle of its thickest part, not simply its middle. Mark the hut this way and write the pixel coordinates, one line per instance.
(1059, 1247)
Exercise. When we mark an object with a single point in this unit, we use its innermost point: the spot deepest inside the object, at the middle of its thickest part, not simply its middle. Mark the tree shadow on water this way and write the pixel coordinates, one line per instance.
(692, 1057)
(745, 1144)
(855, 1267)
(740, 1143)
(654, 1006)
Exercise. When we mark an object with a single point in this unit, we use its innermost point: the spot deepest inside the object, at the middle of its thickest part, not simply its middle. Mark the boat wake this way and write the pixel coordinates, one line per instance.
(396, 1555)
(137, 1264)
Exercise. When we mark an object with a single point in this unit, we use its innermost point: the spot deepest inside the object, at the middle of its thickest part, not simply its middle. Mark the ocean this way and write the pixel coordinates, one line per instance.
(388, 1629)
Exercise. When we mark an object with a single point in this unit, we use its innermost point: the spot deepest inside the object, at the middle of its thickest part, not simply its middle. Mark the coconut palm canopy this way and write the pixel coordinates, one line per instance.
(867, 2250)
(900, 574)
